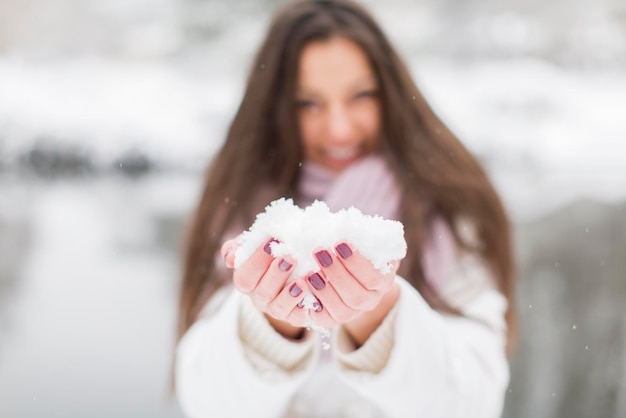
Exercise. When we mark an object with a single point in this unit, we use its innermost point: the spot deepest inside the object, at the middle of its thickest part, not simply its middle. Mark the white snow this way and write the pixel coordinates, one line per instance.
(91, 315)
(547, 135)
(109, 106)
(302, 232)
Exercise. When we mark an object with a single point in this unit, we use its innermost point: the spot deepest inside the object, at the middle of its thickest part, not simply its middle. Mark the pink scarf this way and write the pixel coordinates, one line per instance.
(370, 186)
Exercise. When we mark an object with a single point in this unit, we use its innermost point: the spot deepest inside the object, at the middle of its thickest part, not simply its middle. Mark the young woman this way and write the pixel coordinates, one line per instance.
(330, 112)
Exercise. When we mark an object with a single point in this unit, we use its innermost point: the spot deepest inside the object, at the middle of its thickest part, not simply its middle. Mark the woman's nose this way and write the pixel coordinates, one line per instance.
(340, 127)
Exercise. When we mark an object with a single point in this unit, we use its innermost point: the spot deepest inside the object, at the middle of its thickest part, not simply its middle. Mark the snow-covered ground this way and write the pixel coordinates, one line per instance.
(548, 135)
(87, 322)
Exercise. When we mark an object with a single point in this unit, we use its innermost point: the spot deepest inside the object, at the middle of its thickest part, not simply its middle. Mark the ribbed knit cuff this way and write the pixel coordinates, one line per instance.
(373, 355)
(265, 348)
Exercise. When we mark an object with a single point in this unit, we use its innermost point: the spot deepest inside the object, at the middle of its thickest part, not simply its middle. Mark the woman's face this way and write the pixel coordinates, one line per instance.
(338, 103)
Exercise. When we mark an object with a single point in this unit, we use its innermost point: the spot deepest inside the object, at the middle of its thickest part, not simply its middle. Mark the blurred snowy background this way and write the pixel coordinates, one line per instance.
(109, 111)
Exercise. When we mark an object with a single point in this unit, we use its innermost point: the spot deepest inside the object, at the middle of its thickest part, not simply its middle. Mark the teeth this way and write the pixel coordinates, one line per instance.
(342, 153)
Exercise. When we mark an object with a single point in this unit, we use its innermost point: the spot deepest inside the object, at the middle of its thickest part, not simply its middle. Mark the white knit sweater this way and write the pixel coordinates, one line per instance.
(418, 363)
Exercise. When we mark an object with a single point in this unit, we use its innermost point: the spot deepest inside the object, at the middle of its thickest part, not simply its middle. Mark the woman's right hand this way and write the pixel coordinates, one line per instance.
(264, 279)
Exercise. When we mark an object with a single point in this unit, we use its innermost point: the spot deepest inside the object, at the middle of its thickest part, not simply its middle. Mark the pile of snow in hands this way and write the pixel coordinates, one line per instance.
(302, 232)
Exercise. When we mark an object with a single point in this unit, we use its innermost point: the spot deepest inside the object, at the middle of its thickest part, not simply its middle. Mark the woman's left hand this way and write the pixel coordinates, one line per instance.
(351, 291)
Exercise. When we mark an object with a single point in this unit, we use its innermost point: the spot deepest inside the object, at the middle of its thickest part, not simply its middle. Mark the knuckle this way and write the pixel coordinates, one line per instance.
(371, 283)
(276, 311)
(262, 300)
(363, 301)
(279, 309)
(242, 284)
(260, 303)
(355, 300)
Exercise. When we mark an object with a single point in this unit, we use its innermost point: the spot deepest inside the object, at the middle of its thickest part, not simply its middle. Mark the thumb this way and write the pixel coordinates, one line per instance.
(228, 252)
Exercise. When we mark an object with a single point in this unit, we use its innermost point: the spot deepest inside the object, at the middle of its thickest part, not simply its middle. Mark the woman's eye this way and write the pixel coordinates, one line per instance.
(306, 104)
(365, 94)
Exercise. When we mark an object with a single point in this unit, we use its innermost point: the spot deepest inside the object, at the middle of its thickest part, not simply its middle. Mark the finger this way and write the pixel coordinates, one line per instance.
(362, 269)
(349, 288)
(299, 317)
(272, 282)
(286, 300)
(228, 252)
(322, 317)
(329, 298)
(247, 276)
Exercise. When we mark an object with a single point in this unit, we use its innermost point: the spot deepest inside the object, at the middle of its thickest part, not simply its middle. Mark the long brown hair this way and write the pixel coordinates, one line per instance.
(263, 148)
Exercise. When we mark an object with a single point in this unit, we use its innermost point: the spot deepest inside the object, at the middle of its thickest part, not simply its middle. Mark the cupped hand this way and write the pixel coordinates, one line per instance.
(264, 279)
(350, 289)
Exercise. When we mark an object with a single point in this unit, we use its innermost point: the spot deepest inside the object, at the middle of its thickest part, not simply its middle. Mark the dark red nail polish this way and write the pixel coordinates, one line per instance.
(284, 265)
(267, 247)
(324, 258)
(317, 305)
(343, 250)
(295, 291)
(317, 281)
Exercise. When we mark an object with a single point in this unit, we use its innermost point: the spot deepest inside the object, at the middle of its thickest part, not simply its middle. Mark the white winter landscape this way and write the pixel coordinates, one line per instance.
(103, 143)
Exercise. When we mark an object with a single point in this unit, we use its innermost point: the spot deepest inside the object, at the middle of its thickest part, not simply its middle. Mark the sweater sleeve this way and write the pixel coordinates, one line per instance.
(437, 365)
(270, 353)
(222, 370)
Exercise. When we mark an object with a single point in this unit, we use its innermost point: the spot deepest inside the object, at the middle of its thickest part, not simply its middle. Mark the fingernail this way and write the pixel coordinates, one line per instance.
(284, 265)
(324, 258)
(343, 250)
(317, 305)
(268, 248)
(295, 291)
(317, 281)
(300, 304)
